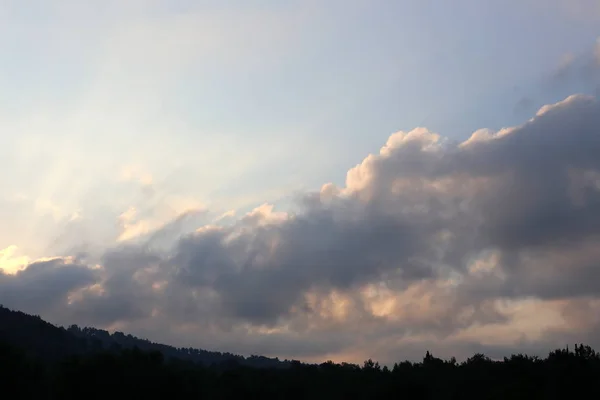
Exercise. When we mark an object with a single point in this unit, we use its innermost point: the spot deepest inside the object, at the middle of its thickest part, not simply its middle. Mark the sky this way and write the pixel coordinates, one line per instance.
(305, 179)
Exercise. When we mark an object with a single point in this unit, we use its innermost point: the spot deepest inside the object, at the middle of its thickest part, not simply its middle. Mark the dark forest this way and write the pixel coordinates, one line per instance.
(39, 360)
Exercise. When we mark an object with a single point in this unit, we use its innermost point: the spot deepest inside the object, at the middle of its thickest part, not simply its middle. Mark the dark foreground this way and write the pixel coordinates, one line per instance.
(45, 362)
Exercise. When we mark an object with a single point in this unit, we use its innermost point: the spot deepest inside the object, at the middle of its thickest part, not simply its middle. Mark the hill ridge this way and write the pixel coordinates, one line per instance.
(43, 339)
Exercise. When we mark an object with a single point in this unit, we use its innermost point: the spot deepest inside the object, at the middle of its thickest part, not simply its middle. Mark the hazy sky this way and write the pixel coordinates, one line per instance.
(305, 179)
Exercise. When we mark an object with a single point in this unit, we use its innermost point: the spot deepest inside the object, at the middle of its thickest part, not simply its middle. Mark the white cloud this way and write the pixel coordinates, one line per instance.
(10, 263)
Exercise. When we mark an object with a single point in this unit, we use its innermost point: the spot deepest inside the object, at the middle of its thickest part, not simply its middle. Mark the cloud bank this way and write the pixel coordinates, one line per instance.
(492, 244)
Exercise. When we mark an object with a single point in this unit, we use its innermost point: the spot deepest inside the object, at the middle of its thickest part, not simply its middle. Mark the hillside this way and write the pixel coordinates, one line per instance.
(40, 360)
(43, 340)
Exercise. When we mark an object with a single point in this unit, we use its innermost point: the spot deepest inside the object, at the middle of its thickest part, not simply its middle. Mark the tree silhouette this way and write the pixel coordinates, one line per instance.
(39, 360)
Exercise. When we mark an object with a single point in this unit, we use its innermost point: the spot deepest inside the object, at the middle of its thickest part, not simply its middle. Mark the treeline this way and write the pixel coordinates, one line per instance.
(137, 374)
(50, 342)
(90, 373)
(98, 339)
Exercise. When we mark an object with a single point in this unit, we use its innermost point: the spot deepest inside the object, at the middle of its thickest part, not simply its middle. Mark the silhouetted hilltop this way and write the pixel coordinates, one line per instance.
(38, 338)
(101, 339)
(41, 361)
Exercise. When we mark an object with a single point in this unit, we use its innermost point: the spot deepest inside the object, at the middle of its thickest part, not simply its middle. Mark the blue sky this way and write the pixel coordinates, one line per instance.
(120, 116)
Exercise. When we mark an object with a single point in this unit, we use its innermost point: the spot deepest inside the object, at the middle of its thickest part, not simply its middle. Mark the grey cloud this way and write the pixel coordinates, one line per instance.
(44, 285)
(524, 204)
(263, 272)
(533, 204)
(259, 271)
(573, 73)
(524, 106)
(418, 213)
(126, 293)
(583, 69)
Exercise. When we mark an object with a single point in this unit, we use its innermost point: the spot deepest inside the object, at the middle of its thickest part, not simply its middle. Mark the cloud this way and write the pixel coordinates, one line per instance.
(573, 72)
(9, 262)
(137, 174)
(429, 243)
(581, 69)
(487, 244)
(125, 292)
(107, 86)
(579, 11)
(583, 9)
(44, 286)
(524, 105)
